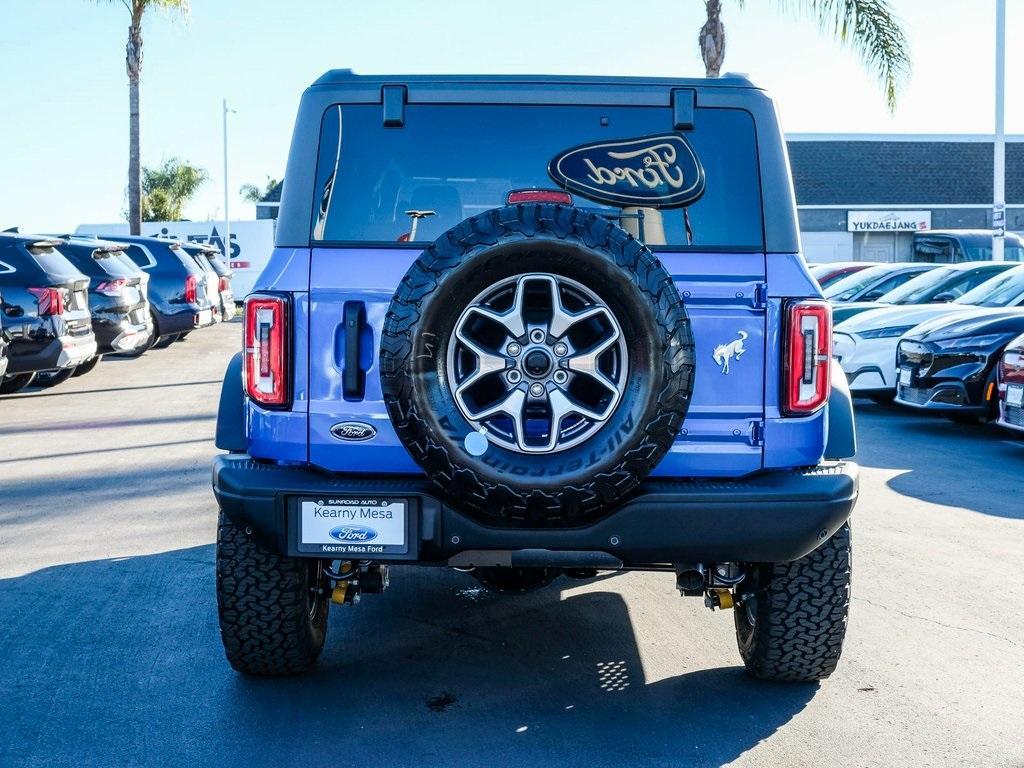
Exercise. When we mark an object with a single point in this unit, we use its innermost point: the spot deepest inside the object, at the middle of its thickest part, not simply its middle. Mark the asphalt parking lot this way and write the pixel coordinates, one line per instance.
(109, 648)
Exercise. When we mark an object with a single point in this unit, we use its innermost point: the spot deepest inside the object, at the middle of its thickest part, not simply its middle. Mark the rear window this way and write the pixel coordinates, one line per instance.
(99, 264)
(458, 161)
(53, 263)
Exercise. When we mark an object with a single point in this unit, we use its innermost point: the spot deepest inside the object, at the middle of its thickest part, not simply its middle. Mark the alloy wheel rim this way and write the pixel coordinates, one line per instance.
(537, 363)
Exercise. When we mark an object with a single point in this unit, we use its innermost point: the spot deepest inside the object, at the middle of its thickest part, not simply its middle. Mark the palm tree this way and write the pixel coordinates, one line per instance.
(133, 64)
(867, 26)
(166, 190)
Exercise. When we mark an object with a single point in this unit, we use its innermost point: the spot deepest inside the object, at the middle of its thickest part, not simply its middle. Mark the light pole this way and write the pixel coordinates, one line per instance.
(999, 154)
(227, 188)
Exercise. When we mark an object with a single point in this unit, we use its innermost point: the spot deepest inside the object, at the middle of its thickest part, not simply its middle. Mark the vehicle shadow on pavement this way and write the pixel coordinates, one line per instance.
(119, 662)
(956, 468)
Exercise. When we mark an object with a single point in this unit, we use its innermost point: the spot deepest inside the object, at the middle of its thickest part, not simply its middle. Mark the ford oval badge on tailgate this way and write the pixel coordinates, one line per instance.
(659, 171)
(353, 431)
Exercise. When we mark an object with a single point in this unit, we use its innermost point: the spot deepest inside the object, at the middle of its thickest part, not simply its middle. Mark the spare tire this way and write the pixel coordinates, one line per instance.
(537, 362)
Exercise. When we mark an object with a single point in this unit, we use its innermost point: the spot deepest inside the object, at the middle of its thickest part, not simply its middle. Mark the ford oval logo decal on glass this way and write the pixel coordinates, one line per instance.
(653, 171)
(353, 431)
(356, 533)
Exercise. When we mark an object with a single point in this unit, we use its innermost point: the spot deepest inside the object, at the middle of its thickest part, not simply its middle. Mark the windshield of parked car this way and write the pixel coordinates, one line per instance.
(1006, 290)
(927, 286)
(447, 163)
(984, 253)
(853, 284)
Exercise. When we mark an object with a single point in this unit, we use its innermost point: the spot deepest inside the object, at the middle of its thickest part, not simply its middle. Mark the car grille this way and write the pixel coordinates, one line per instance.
(1013, 415)
(916, 396)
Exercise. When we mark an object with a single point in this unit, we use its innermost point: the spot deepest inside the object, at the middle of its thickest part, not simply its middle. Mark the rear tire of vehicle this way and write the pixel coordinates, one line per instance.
(581, 482)
(514, 581)
(84, 368)
(792, 619)
(272, 609)
(16, 382)
(48, 379)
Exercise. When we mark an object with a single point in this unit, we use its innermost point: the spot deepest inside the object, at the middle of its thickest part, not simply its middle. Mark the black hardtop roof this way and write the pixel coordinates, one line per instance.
(348, 77)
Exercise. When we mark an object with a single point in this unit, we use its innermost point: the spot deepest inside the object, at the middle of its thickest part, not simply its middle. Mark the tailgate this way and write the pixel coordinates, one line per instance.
(722, 435)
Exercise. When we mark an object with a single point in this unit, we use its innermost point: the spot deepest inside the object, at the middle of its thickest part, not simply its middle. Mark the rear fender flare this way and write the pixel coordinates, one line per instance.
(231, 411)
(841, 442)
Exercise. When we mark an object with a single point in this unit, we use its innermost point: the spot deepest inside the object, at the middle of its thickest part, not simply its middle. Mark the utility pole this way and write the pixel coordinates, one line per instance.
(999, 155)
(227, 187)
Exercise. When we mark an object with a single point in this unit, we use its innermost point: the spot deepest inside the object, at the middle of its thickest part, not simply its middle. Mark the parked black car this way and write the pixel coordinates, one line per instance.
(951, 246)
(45, 308)
(117, 301)
(213, 259)
(179, 299)
(948, 365)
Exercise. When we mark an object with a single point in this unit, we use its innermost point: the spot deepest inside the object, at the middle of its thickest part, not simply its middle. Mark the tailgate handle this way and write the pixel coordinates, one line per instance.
(353, 377)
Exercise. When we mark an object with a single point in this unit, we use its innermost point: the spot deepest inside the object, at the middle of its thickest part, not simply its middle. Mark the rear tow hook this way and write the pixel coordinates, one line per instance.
(353, 579)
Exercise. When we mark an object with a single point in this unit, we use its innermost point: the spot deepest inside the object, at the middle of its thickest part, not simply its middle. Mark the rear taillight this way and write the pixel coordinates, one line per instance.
(225, 285)
(112, 287)
(265, 332)
(50, 300)
(807, 357)
(190, 289)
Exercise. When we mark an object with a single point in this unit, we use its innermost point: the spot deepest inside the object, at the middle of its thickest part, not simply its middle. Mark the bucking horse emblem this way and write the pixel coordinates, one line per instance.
(733, 350)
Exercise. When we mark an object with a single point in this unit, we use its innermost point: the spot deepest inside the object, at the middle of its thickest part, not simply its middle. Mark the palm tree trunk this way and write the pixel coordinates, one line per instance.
(712, 39)
(133, 63)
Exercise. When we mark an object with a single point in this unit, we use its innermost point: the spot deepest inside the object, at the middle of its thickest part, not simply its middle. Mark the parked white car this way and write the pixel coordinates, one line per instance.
(865, 345)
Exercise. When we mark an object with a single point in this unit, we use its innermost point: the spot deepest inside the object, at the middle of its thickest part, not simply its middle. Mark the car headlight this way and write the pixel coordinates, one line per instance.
(971, 342)
(885, 333)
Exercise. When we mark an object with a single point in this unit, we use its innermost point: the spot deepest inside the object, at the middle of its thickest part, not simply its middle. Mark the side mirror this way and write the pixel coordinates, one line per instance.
(944, 298)
(873, 295)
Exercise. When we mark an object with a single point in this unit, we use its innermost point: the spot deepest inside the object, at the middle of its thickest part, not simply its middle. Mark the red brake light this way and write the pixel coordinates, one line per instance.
(807, 357)
(225, 284)
(112, 287)
(538, 196)
(265, 332)
(50, 300)
(190, 289)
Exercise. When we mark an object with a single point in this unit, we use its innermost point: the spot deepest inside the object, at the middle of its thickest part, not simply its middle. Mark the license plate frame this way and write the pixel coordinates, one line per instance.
(339, 530)
(1015, 395)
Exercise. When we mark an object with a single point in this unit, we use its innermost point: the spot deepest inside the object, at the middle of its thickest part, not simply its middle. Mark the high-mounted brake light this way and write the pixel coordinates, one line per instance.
(50, 300)
(113, 287)
(807, 357)
(191, 285)
(265, 332)
(538, 196)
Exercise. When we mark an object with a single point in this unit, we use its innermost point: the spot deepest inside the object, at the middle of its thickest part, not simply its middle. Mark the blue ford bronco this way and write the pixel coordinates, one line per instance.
(530, 328)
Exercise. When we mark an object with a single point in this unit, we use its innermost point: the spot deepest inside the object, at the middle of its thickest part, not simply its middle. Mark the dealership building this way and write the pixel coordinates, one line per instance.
(861, 197)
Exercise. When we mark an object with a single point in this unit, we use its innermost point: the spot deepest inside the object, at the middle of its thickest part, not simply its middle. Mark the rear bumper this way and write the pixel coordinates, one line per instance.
(57, 353)
(774, 516)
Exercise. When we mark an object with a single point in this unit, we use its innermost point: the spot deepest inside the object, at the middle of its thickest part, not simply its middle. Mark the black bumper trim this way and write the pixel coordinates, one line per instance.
(774, 516)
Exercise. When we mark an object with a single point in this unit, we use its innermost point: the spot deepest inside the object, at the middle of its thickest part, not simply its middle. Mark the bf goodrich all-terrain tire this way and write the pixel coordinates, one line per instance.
(792, 620)
(272, 609)
(495, 350)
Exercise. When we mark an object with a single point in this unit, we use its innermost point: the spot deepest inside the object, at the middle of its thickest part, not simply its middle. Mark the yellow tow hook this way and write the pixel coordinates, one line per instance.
(339, 592)
(718, 597)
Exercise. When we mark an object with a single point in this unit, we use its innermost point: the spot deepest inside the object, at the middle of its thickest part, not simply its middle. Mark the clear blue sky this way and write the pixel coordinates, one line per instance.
(63, 90)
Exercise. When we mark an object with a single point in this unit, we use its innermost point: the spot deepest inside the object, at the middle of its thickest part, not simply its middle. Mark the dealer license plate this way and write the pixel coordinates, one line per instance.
(1015, 394)
(906, 374)
(366, 527)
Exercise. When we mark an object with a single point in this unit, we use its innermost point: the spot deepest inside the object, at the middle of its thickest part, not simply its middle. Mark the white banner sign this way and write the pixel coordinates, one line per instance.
(251, 242)
(888, 221)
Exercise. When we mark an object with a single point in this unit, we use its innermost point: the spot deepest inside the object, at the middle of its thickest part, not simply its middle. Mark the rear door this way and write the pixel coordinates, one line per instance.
(386, 193)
